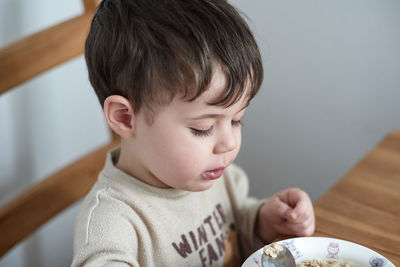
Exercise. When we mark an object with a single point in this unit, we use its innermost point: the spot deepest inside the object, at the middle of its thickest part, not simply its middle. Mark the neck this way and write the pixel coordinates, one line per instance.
(130, 163)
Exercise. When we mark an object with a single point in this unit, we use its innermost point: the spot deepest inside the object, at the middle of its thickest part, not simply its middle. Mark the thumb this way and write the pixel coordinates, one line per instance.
(296, 201)
(283, 210)
(300, 211)
(291, 214)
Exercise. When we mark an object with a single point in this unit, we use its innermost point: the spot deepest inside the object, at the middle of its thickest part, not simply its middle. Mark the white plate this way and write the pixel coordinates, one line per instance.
(307, 248)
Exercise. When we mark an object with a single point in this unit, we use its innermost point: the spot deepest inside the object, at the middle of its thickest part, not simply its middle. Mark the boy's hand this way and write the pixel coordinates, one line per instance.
(287, 212)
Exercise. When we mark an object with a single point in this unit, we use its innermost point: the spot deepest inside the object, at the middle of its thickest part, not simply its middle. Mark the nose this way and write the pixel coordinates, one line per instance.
(227, 141)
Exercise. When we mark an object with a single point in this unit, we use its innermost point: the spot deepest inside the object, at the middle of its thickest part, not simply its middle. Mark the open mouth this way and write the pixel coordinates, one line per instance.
(213, 174)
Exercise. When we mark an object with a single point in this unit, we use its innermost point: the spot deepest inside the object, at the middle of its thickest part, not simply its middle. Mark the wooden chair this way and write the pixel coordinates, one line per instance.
(19, 62)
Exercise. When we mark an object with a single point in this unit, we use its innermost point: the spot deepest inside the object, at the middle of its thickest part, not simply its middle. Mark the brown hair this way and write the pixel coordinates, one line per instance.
(150, 50)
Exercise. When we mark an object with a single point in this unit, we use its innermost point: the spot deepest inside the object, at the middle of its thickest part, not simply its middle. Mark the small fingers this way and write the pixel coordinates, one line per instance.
(278, 208)
(302, 210)
(291, 212)
(303, 228)
(298, 215)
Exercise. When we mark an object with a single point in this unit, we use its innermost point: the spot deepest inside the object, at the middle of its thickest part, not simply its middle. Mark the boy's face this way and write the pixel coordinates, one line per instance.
(188, 144)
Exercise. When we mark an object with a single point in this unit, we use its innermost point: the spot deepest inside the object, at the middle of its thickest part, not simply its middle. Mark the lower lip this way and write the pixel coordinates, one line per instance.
(213, 174)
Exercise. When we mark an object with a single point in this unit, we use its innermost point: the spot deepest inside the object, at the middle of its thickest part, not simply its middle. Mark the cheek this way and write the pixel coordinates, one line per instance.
(179, 150)
(190, 152)
(184, 164)
(238, 137)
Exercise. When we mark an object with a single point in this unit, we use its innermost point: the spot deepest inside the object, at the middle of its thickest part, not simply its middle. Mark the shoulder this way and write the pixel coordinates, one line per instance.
(105, 230)
(236, 181)
(235, 175)
(235, 170)
(103, 216)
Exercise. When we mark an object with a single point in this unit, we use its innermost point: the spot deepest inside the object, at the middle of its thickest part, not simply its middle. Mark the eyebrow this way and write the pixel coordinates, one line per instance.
(214, 115)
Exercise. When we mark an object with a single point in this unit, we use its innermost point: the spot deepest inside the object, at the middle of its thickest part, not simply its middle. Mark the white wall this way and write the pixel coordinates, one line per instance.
(331, 91)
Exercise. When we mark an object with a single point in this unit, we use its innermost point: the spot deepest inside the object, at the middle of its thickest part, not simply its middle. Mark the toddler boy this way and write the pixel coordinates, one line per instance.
(174, 78)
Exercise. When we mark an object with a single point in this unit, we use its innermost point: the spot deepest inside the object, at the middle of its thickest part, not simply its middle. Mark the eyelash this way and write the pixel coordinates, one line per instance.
(204, 133)
(236, 123)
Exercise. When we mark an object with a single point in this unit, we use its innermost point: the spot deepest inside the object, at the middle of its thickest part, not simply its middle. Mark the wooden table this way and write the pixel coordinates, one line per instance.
(364, 206)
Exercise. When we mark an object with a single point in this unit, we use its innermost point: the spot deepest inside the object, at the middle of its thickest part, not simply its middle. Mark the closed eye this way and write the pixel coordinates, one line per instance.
(201, 133)
(236, 123)
(205, 133)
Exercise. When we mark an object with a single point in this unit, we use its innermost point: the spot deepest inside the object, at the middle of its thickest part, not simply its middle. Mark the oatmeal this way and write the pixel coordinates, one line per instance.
(321, 263)
(272, 250)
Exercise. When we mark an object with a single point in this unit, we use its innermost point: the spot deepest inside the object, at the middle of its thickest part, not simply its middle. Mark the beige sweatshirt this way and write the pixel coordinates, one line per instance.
(125, 222)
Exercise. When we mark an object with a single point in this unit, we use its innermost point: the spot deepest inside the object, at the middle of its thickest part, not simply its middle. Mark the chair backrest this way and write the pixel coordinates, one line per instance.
(19, 62)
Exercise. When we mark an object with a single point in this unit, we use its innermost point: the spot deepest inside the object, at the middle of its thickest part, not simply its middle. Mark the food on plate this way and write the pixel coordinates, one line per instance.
(272, 250)
(321, 263)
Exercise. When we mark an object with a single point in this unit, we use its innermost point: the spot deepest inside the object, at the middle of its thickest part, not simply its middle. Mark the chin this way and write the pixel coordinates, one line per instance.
(201, 187)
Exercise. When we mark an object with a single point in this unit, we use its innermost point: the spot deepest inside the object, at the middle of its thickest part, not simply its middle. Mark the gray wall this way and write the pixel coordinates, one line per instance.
(331, 89)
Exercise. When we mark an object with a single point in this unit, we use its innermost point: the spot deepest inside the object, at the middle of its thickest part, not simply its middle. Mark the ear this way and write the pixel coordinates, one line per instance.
(120, 115)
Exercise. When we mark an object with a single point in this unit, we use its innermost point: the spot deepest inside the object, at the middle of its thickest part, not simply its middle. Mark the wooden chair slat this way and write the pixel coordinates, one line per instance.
(30, 210)
(91, 4)
(32, 55)
(19, 62)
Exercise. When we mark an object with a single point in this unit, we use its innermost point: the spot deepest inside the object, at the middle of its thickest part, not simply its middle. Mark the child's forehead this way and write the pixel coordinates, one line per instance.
(204, 103)
(217, 88)
(200, 107)
(181, 105)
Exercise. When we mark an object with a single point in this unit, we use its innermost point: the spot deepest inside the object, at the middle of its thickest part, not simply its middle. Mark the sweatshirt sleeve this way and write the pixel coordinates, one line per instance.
(245, 210)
